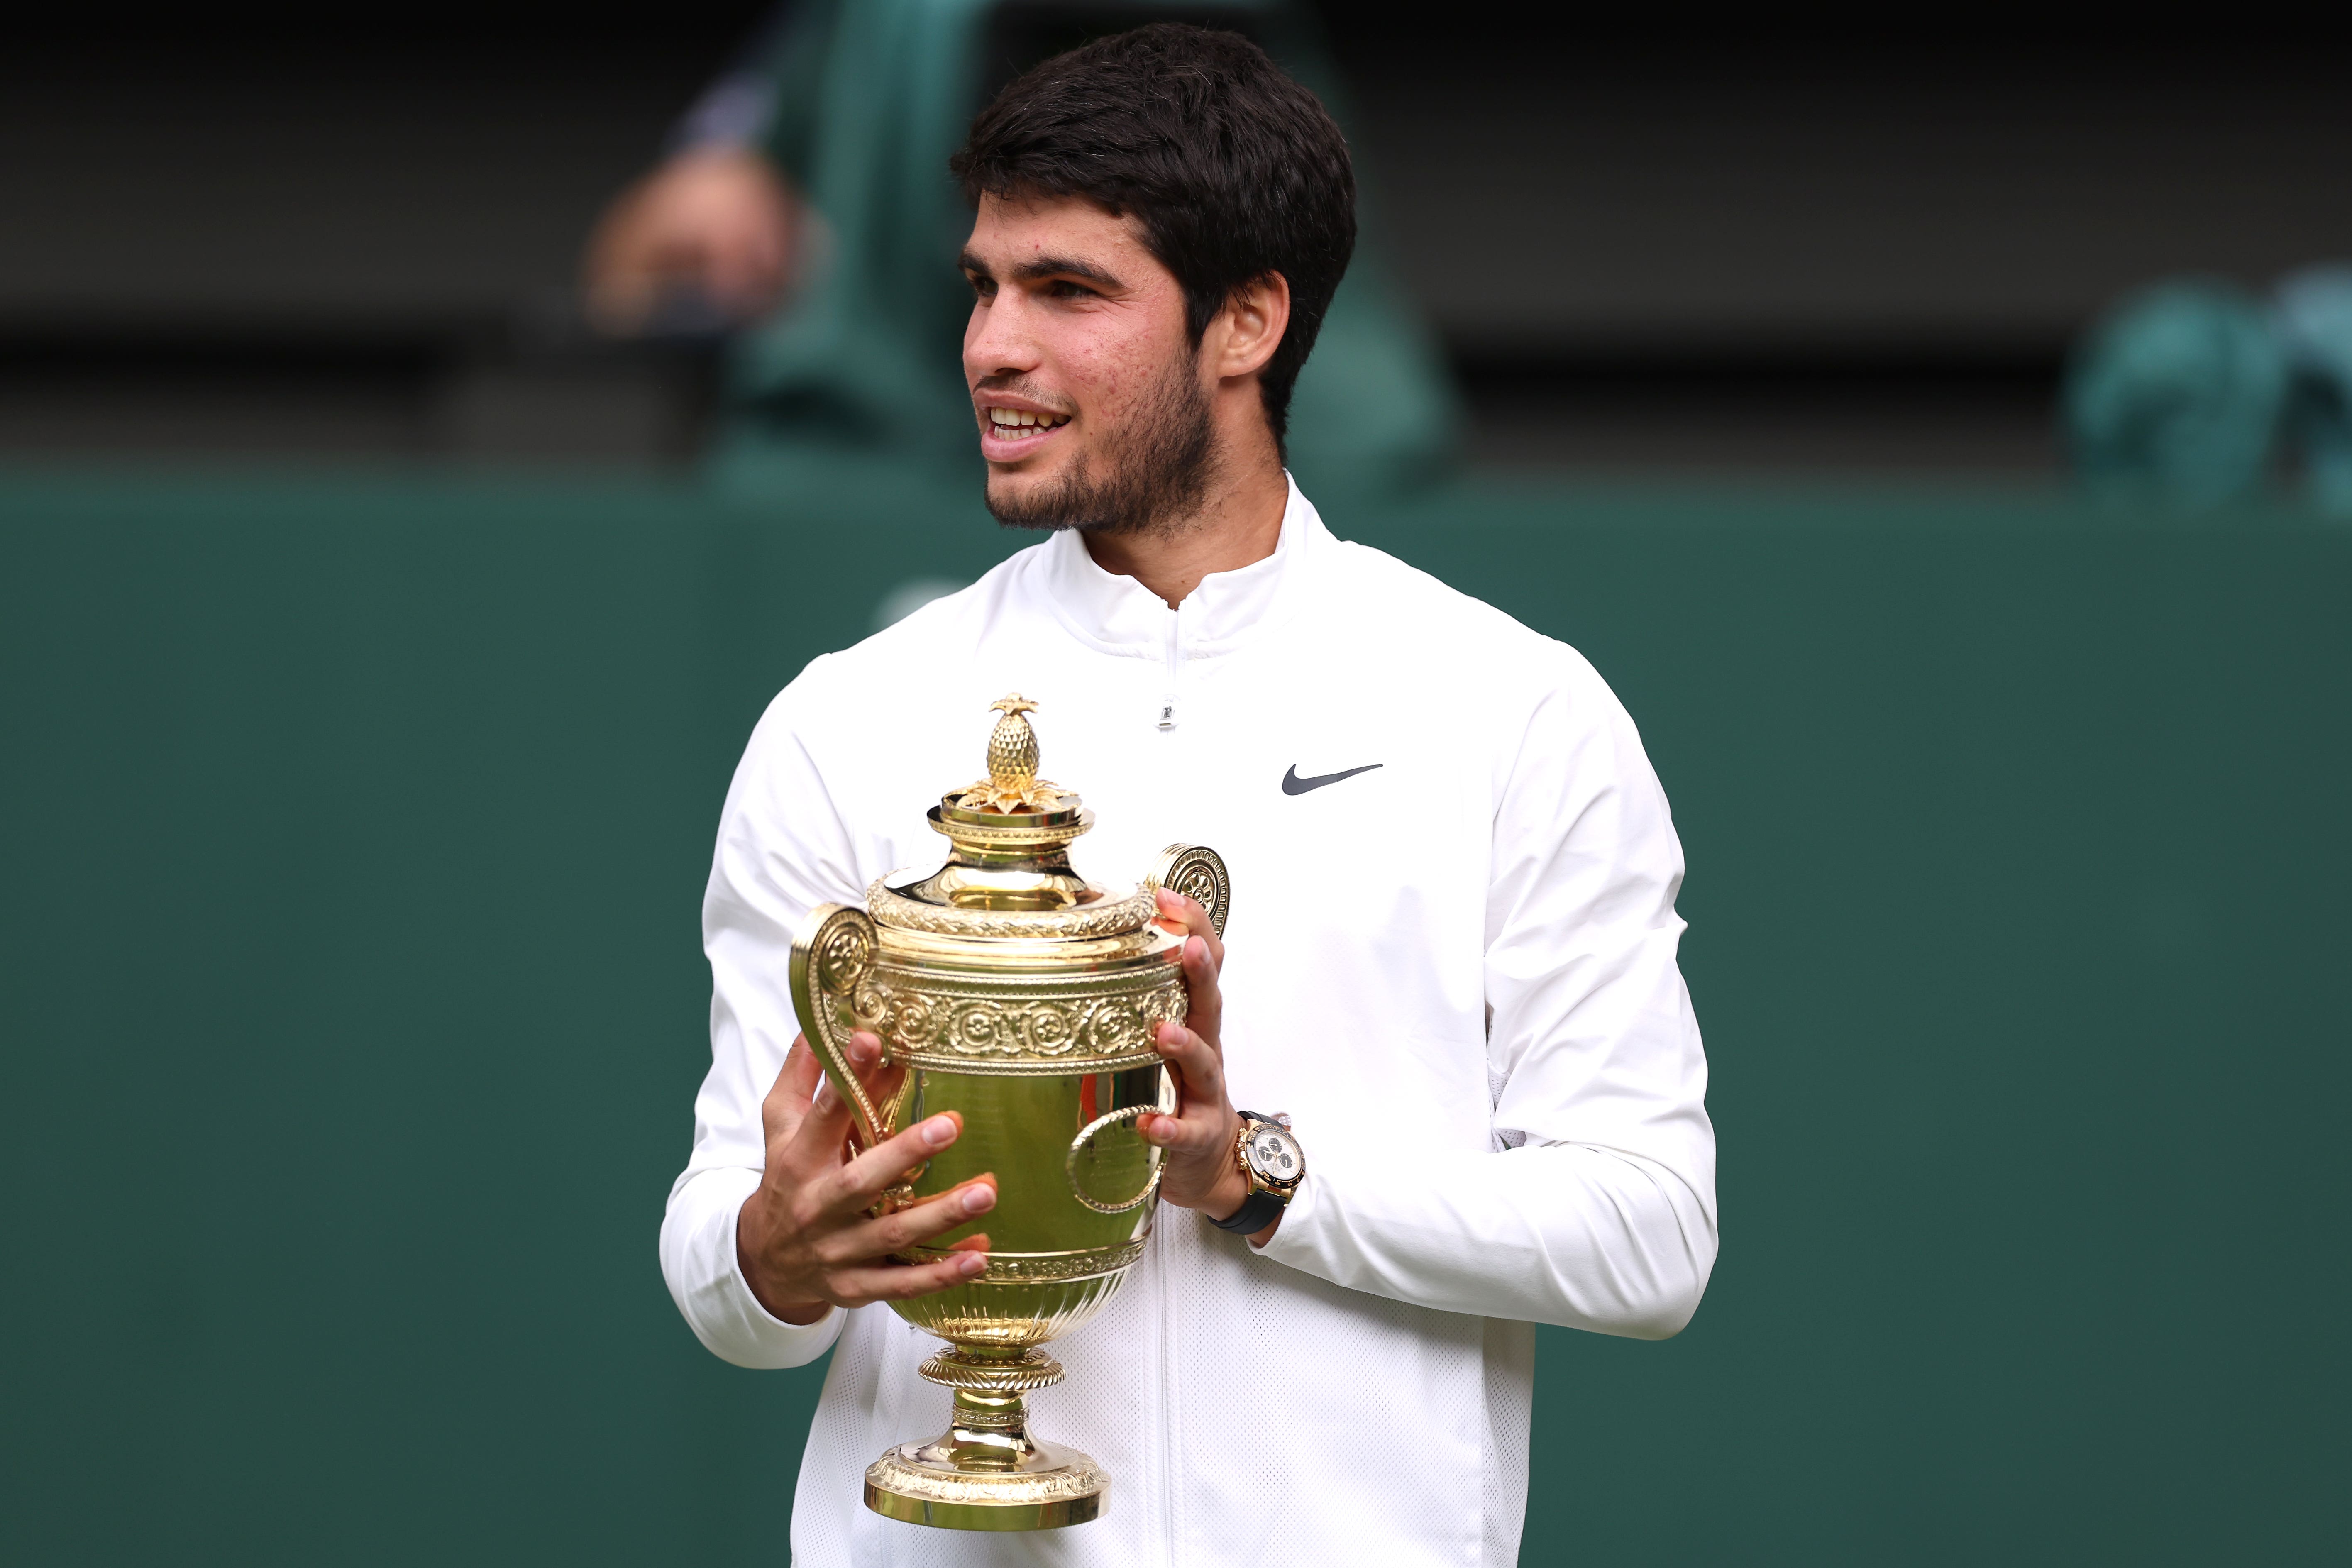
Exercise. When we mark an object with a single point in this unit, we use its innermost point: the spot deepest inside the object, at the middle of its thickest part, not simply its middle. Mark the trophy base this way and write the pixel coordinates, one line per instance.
(1052, 1487)
(985, 1472)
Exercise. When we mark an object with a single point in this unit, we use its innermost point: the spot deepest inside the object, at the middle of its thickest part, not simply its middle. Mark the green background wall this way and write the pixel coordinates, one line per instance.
(352, 834)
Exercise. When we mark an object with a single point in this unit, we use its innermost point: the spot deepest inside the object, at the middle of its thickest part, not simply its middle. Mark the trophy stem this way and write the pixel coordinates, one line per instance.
(988, 1432)
(985, 1472)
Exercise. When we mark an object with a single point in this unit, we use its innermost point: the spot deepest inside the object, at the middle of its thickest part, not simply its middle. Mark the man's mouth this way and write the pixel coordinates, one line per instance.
(1021, 424)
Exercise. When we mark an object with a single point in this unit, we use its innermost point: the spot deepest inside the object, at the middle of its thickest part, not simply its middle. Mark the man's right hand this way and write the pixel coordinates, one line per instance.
(804, 1241)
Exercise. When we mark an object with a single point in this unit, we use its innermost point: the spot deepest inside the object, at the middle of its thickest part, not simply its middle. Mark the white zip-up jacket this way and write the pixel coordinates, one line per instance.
(1456, 971)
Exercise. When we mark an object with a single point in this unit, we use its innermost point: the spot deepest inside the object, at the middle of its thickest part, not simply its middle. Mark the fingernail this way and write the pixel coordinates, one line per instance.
(972, 1263)
(979, 1199)
(939, 1131)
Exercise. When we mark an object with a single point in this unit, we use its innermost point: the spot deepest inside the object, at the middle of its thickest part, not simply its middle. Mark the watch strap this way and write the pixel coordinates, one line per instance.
(1257, 1211)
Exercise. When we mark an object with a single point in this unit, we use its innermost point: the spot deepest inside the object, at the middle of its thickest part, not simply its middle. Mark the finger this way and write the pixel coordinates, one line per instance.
(1200, 1070)
(865, 1050)
(899, 1282)
(1202, 1118)
(857, 1184)
(878, 1238)
(880, 1082)
(1191, 917)
(864, 1059)
(817, 1144)
(1205, 1010)
(1208, 1129)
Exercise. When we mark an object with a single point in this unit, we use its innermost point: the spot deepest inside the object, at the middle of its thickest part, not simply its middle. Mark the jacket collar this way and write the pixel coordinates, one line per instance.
(1120, 614)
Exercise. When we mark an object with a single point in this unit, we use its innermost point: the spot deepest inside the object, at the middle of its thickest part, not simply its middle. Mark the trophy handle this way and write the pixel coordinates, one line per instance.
(831, 952)
(1086, 1136)
(1197, 872)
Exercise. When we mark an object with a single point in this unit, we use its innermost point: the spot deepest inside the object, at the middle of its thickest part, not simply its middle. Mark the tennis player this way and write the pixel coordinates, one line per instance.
(1448, 992)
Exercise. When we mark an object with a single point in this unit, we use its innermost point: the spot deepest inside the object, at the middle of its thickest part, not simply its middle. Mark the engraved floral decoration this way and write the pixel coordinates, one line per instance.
(844, 955)
(1196, 876)
(1198, 883)
(980, 1028)
(1050, 1029)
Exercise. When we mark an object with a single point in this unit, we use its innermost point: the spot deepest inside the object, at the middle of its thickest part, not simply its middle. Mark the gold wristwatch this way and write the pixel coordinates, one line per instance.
(1268, 1156)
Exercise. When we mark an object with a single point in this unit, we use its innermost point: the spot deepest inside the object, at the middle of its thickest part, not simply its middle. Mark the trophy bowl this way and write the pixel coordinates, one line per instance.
(1026, 998)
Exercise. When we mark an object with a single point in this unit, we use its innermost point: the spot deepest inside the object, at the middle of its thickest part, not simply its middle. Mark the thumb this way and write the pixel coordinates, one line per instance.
(787, 1101)
(821, 1137)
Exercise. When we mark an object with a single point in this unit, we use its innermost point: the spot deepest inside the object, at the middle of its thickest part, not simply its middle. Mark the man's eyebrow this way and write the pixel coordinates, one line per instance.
(1044, 266)
(1065, 267)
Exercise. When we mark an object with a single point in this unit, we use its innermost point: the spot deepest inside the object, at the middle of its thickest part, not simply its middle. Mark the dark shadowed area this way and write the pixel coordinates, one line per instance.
(1753, 246)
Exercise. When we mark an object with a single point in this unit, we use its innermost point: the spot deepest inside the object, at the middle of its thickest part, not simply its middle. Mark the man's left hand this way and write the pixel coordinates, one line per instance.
(1199, 1137)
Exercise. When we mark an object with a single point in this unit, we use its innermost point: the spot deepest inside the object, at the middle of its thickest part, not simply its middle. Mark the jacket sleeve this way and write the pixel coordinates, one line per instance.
(781, 851)
(1595, 1209)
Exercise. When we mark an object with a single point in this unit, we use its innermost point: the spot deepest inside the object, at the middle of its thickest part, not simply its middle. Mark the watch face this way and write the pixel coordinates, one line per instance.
(1273, 1154)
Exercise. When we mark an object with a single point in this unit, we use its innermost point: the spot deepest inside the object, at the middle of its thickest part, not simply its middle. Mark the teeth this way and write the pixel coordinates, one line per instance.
(1023, 419)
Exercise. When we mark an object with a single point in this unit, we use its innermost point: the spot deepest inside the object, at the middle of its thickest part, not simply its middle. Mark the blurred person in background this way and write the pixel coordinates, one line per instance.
(2196, 393)
(707, 242)
(804, 208)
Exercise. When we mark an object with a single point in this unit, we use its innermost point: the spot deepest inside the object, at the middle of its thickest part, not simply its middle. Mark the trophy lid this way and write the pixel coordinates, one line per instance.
(1012, 831)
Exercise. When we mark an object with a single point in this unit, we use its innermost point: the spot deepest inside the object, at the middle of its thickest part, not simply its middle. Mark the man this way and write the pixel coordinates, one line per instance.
(1450, 958)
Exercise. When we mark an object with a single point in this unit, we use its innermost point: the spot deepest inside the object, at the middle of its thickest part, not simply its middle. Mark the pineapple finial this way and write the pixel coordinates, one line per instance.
(1012, 745)
(1013, 785)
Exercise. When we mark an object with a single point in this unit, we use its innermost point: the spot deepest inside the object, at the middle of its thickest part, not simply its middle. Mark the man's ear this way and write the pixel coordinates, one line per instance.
(1255, 316)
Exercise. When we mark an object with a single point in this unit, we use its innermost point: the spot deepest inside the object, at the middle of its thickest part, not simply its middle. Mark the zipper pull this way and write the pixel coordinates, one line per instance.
(1168, 711)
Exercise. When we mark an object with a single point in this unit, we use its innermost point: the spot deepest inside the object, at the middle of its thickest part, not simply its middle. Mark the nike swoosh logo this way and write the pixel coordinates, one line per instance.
(1293, 784)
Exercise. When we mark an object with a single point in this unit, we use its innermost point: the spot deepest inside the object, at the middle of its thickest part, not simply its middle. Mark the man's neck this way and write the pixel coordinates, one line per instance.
(1238, 524)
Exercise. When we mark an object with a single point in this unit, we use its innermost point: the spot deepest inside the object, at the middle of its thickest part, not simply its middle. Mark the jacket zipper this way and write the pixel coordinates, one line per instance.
(1175, 658)
(1170, 1458)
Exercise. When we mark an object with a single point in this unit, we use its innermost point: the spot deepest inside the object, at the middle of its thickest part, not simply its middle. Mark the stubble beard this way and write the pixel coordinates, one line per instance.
(1152, 480)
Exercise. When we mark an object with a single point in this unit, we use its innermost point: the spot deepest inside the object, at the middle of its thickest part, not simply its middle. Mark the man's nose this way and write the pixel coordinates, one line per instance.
(997, 342)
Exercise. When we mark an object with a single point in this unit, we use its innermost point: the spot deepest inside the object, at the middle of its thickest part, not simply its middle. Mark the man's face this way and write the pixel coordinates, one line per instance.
(1086, 385)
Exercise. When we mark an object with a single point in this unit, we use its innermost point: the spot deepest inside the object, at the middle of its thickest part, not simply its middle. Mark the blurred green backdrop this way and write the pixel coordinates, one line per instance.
(352, 830)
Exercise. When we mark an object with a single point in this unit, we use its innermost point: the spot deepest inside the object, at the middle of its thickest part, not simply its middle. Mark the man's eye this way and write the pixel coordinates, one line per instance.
(1063, 288)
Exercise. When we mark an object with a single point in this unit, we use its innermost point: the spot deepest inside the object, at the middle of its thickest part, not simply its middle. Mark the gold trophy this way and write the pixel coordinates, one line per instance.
(1019, 993)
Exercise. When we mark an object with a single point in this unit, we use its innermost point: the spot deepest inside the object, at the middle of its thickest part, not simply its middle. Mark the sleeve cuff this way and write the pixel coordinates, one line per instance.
(706, 1280)
(1297, 1215)
(827, 1327)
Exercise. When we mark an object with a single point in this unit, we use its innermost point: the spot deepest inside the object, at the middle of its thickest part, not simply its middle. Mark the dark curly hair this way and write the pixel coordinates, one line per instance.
(1232, 169)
